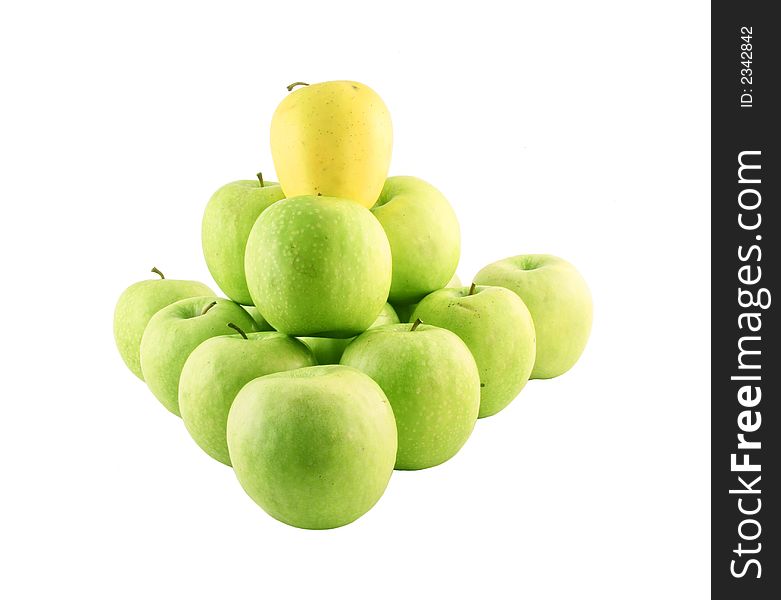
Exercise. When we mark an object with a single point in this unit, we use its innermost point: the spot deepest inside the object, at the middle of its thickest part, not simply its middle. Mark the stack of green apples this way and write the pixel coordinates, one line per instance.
(347, 347)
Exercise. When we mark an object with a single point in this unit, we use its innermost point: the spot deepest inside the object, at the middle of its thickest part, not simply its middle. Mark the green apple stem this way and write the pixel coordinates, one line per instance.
(472, 289)
(260, 178)
(415, 324)
(158, 271)
(211, 304)
(237, 328)
(296, 84)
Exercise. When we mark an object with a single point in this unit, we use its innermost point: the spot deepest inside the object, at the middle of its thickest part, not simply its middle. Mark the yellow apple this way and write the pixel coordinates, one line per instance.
(333, 139)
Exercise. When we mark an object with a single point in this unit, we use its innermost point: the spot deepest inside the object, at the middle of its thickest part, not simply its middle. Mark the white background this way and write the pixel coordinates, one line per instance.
(574, 128)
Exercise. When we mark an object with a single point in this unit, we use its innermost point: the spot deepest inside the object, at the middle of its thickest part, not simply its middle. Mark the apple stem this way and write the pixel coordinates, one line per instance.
(211, 304)
(237, 328)
(260, 178)
(472, 288)
(415, 324)
(158, 271)
(297, 83)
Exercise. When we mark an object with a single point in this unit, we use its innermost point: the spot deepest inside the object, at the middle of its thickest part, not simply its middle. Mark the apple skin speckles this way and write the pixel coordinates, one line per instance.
(333, 138)
(318, 266)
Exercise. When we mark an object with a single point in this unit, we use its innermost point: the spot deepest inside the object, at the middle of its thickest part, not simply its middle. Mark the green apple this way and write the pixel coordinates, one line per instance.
(498, 330)
(432, 383)
(387, 316)
(227, 221)
(138, 304)
(318, 266)
(455, 281)
(175, 331)
(218, 368)
(258, 318)
(424, 237)
(404, 311)
(559, 301)
(328, 351)
(313, 447)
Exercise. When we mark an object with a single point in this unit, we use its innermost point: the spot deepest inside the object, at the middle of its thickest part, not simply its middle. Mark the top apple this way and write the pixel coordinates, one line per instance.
(334, 139)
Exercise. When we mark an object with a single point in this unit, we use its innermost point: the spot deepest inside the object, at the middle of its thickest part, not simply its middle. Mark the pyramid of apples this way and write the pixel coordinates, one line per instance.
(348, 347)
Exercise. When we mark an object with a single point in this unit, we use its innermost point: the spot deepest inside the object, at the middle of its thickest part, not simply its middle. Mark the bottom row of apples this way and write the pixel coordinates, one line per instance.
(315, 445)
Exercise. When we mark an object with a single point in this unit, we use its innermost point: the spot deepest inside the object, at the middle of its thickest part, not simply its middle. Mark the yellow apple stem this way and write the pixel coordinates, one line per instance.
(415, 324)
(237, 328)
(156, 270)
(297, 83)
(472, 288)
(205, 310)
(260, 178)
